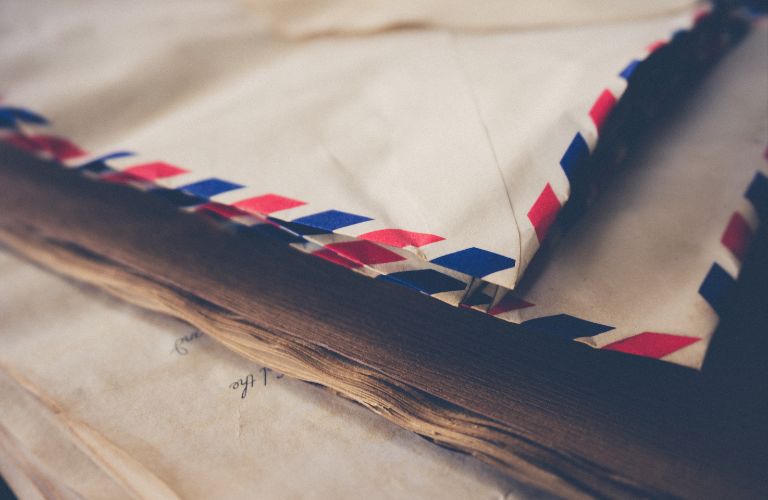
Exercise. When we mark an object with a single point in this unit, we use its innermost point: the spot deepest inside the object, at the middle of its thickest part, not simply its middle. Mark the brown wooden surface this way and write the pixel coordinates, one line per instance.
(565, 418)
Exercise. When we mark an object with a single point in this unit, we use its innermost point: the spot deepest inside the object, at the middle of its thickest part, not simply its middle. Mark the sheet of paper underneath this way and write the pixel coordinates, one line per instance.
(175, 404)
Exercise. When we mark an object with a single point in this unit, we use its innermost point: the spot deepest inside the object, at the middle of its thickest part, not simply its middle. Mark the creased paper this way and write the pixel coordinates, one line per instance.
(105, 400)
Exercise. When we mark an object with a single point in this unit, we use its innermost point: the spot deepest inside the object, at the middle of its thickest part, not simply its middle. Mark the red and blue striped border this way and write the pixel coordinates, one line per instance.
(458, 274)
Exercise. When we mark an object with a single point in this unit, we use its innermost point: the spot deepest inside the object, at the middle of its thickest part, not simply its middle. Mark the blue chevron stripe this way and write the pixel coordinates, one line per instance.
(566, 326)
(717, 287)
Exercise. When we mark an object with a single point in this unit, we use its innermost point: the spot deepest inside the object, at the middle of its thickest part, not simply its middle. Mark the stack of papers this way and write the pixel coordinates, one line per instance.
(422, 150)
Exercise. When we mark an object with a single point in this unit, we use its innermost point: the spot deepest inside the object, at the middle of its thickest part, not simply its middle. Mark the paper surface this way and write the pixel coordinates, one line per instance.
(426, 157)
(301, 19)
(440, 144)
(187, 415)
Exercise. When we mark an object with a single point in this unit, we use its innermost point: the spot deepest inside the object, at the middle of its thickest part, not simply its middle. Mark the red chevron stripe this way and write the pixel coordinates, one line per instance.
(268, 203)
(602, 108)
(59, 148)
(651, 345)
(364, 252)
(154, 170)
(221, 209)
(737, 236)
(544, 211)
(656, 45)
(335, 258)
(508, 303)
(400, 238)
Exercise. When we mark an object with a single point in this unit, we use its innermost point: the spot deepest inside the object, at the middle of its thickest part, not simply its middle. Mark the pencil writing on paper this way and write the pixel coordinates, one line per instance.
(248, 381)
(179, 347)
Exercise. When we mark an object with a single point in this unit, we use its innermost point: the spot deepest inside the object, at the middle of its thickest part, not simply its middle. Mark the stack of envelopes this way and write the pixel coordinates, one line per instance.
(440, 158)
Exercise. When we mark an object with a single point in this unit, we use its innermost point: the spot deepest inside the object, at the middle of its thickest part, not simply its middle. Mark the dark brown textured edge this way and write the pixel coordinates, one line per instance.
(567, 419)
